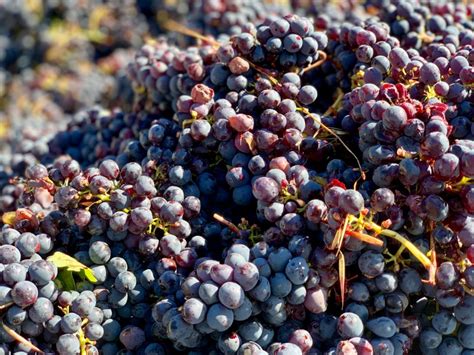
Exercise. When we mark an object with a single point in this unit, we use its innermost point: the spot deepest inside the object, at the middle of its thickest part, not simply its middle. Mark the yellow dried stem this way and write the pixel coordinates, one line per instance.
(422, 258)
(343, 234)
(434, 264)
(226, 222)
(378, 230)
(365, 238)
(20, 339)
(335, 106)
(339, 236)
(342, 278)
(5, 306)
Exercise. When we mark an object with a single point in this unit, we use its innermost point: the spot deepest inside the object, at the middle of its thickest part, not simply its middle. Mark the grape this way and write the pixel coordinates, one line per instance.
(358, 309)
(116, 265)
(444, 323)
(8, 236)
(231, 295)
(265, 189)
(16, 315)
(229, 342)
(141, 216)
(219, 317)
(41, 272)
(350, 325)
(435, 145)
(208, 292)
(27, 244)
(244, 311)
(84, 303)
(54, 324)
(279, 258)
(250, 330)
(307, 94)
(170, 245)
(71, 323)
(99, 252)
(24, 293)
(68, 344)
(144, 186)
(351, 201)
(41, 311)
(194, 311)
(168, 282)
(279, 27)
(430, 74)
(386, 282)
(382, 199)
(246, 275)
(132, 337)
(297, 270)
(316, 210)
(287, 349)
(96, 315)
(316, 300)
(383, 327)
(240, 249)
(435, 207)
(280, 285)
(371, 263)
(297, 295)
(111, 330)
(125, 281)
(14, 273)
(446, 275)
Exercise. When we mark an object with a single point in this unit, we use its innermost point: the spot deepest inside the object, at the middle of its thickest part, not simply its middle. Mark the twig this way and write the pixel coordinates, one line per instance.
(174, 26)
(342, 278)
(323, 55)
(20, 339)
(227, 223)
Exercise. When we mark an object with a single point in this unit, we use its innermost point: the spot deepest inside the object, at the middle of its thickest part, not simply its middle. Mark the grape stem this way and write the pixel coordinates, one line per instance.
(427, 263)
(342, 278)
(365, 238)
(327, 128)
(174, 26)
(226, 222)
(20, 339)
(5, 306)
(323, 55)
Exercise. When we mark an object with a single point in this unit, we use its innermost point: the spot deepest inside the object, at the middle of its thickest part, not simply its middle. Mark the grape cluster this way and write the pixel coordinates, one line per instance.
(285, 42)
(229, 17)
(247, 293)
(36, 308)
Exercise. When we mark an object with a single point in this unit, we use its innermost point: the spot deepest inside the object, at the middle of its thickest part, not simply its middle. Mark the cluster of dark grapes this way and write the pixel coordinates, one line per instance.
(227, 18)
(33, 301)
(283, 186)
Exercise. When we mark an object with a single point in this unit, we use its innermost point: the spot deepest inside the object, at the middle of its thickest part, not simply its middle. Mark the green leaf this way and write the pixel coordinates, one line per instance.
(88, 274)
(67, 279)
(68, 263)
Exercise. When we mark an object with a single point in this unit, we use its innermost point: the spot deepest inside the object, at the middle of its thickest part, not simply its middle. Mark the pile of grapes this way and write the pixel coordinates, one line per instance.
(291, 181)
